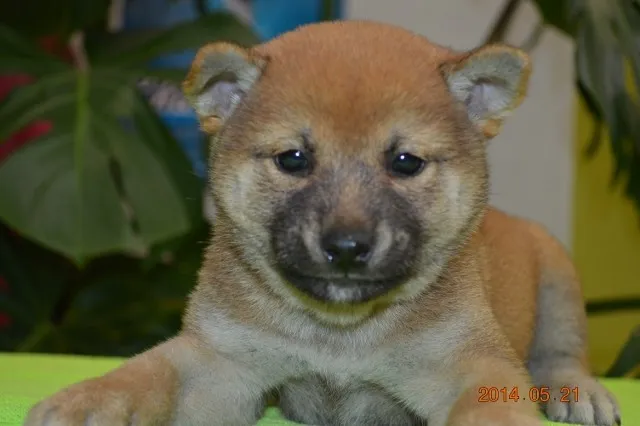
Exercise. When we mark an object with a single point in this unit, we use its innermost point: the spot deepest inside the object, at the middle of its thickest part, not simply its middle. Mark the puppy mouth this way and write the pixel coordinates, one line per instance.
(340, 288)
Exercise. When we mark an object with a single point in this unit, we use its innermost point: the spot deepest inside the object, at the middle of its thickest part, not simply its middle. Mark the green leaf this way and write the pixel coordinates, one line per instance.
(136, 49)
(19, 55)
(629, 358)
(68, 201)
(556, 13)
(600, 69)
(163, 145)
(93, 187)
(607, 35)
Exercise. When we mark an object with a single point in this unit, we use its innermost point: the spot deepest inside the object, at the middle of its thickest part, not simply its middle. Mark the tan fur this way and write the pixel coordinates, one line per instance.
(492, 297)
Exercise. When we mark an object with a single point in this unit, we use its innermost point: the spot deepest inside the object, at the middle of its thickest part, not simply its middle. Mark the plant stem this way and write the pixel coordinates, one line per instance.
(628, 359)
(76, 45)
(326, 10)
(501, 25)
(613, 305)
(534, 38)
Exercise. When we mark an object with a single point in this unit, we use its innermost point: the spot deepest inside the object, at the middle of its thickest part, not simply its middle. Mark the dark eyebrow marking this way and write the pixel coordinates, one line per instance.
(394, 142)
(307, 141)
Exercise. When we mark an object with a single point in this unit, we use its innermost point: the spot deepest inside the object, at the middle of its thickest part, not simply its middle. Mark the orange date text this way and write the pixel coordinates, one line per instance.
(535, 394)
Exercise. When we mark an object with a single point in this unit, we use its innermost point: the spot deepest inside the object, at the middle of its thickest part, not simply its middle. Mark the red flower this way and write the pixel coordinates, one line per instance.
(27, 133)
(9, 82)
(52, 44)
(24, 135)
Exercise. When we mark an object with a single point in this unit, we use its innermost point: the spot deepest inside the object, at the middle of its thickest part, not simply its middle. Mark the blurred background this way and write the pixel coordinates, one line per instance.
(103, 206)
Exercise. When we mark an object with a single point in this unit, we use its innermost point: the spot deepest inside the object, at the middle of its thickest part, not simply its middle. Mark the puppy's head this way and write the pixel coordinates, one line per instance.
(349, 158)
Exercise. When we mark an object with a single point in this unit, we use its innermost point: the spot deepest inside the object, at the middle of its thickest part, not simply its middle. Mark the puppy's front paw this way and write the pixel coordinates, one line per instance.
(582, 400)
(104, 402)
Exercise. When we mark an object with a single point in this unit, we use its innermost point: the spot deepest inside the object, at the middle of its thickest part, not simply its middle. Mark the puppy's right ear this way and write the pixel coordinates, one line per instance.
(220, 76)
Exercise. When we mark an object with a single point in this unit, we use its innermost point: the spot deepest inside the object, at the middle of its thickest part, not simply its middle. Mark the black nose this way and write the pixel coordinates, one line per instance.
(347, 250)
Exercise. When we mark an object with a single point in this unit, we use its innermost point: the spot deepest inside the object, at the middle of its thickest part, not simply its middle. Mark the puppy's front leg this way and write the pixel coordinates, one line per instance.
(454, 396)
(495, 393)
(179, 382)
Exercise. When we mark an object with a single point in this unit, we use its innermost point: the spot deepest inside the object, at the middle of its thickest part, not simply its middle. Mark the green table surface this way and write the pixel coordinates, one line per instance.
(27, 378)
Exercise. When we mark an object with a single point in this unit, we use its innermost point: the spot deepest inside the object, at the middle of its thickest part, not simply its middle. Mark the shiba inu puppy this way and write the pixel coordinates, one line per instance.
(355, 268)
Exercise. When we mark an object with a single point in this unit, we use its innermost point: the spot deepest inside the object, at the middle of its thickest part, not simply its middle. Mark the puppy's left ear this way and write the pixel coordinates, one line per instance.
(491, 82)
(220, 77)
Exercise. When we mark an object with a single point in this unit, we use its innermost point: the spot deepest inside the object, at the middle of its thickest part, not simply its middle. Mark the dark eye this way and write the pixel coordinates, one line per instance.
(406, 165)
(293, 162)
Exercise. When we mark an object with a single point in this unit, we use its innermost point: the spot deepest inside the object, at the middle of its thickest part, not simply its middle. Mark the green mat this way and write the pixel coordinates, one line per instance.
(26, 378)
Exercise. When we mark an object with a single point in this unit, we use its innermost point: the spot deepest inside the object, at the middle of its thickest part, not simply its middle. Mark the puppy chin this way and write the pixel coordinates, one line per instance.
(338, 290)
(335, 293)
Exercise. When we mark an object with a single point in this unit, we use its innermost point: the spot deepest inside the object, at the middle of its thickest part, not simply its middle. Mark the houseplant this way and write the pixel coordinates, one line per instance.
(607, 59)
(101, 227)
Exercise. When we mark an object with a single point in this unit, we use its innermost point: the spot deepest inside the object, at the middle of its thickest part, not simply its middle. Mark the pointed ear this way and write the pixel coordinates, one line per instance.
(220, 77)
(491, 82)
